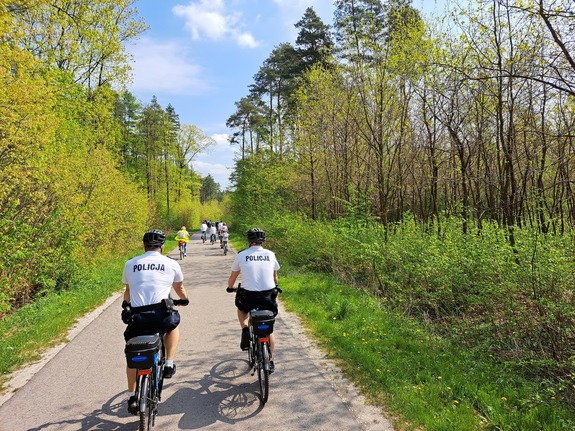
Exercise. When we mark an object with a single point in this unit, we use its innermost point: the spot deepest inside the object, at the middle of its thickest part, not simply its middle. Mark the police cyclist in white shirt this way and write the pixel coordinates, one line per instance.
(259, 269)
(149, 279)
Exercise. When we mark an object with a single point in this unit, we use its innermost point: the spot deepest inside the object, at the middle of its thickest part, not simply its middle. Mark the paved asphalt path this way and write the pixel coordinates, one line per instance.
(81, 385)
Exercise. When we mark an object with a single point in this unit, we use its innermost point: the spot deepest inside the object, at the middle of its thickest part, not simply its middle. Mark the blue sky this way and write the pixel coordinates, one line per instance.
(200, 56)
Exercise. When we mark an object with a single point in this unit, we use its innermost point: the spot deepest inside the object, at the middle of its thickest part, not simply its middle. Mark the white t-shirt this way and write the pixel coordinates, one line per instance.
(150, 277)
(204, 227)
(257, 266)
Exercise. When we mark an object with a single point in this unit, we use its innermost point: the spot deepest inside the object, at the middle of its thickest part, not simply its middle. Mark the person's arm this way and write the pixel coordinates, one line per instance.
(233, 278)
(276, 277)
(127, 293)
(180, 289)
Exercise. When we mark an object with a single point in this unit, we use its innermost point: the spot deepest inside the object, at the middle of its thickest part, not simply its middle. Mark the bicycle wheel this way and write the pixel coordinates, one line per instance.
(146, 419)
(252, 348)
(225, 248)
(264, 371)
(160, 371)
(181, 253)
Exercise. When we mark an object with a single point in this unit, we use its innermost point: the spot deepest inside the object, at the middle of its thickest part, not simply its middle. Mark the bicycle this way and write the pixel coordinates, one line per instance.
(225, 243)
(147, 354)
(181, 245)
(261, 325)
(204, 237)
(213, 238)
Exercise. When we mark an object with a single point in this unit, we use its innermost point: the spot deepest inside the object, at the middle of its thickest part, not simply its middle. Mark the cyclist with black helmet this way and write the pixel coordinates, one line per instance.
(149, 279)
(259, 269)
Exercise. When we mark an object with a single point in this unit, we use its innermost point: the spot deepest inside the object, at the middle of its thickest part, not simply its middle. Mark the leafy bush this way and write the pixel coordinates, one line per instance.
(516, 302)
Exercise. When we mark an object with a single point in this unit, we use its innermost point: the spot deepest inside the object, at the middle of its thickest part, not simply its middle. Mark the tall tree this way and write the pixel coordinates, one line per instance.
(249, 118)
(360, 28)
(314, 44)
(277, 79)
(171, 128)
(190, 142)
(85, 39)
(151, 130)
(210, 190)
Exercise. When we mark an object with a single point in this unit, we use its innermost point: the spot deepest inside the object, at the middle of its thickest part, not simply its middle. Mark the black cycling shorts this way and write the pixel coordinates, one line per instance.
(248, 300)
(152, 321)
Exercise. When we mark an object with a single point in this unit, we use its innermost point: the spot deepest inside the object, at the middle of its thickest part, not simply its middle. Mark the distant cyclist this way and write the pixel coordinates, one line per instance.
(223, 232)
(259, 269)
(184, 236)
(213, 233)
(204, 229)
(149, 279)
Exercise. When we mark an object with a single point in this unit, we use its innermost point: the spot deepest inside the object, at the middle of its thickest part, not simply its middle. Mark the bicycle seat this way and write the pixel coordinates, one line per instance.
(262, 314)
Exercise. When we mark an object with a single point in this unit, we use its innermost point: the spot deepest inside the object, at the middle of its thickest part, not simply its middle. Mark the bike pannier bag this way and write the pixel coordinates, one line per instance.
(263, 322)
(141, 351)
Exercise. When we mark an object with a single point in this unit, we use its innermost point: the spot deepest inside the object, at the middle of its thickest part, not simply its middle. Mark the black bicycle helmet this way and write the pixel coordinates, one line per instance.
(154, 238)
(255, 234)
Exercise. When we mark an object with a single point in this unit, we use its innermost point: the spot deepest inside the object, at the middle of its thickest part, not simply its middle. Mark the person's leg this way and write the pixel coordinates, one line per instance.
(171, 340)
(131, 375)
(272, 344)
(243, 318)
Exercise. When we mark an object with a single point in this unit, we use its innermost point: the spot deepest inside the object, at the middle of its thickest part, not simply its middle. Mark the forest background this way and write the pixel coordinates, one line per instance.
(428, 164)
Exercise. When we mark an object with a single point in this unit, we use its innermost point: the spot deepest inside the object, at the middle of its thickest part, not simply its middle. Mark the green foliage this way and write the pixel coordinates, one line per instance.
(260, 188)
(210, 190)
(516, 303)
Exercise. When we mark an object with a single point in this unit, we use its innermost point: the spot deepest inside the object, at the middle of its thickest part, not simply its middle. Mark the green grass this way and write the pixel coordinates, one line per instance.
(426, 382)
(45, 322)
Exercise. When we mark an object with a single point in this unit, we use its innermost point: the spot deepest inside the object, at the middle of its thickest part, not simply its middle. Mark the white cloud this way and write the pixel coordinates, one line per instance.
(161, 68)
(221, 140)
(246, 40)
(210, 19)
(218, 161)
(219, 172)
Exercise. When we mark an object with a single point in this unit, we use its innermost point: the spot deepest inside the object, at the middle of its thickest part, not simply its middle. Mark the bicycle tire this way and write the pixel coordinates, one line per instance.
(160, 370)
(145, 404)
(181, 253)
(252, 350)
(264, 371)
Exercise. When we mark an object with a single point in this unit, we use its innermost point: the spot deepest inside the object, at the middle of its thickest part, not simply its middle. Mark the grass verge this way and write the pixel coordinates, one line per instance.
(424, 381)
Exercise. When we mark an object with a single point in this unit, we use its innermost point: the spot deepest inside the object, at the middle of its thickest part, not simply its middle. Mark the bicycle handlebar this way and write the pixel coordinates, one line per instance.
(182, 302)
(235, 289)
